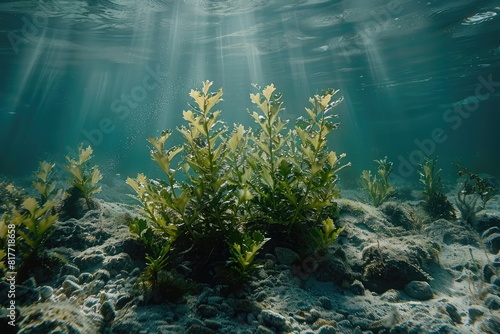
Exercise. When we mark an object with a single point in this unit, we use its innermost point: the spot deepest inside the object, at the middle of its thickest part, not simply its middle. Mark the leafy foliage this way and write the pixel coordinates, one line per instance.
(34, 224)
(44, 184)
(378, 189)
(473, 194)
(237, 182)
(295, 180)
(83, 177)
(326, 236)
(436, 204)
(244, 251)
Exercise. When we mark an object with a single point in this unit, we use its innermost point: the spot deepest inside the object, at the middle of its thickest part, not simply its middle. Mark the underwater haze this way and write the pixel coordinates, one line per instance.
(419, 78)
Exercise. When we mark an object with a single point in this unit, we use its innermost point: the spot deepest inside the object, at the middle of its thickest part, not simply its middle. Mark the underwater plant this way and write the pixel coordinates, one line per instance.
(436, 204)
(243, 252)
(83, 178)
(473, 194)
(294, 180)
(34, 224)
(378, 189)
(234, 184)
(326, 236)
(44, 184)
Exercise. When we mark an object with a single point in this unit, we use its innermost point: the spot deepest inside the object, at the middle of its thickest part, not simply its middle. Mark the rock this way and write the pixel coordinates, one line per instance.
(476, 312)
(108, 311)
(492, 240)
(102, 274)
(199, 329)
(122, 301)
(327, 330)
(357, 288)
(91, 260)
(492, 302)
(392, 296)
(263, 330)
(491, 325)
(496, 261)
(61, 318)
(495, 280)
(69, 269)
(117, 262)
(127, 326)
(487, 221)
(453, 313)
(395, 262)
(274, 319)
(487, 272)
(419, 290)
(450, 233)
(286, 256)
(400, 214)
(70, 287)
(85, 278)
(207, 311)
(325, 302)
(45, 292)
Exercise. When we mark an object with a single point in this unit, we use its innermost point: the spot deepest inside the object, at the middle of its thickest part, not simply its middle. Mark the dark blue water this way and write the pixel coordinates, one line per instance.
(419, 77)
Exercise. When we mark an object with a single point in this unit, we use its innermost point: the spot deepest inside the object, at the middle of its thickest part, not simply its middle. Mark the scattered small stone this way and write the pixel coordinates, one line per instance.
(453, 313)
(327, 330)
(102, 274)
(70, 287)
(274, 319)
(325, 302)
(357, 288)
(286, 256)
(392, 296)
(492, 302)
(199, 329)
(491, 239)
(419, 290)
(69, 269)
(207, 311)
(213, 324)
(122, 301)
(476, 313)
(85, 278)
(108, 311)
(127, 326)
(45, 292)
(263, 330)
(495, 280)
(491, 325)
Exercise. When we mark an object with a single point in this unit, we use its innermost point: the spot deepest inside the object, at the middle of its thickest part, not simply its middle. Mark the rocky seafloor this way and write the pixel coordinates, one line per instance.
(387, 273)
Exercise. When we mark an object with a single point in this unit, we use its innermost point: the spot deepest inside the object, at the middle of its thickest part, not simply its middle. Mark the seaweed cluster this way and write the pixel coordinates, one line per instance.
(29, 219)
(240, 185)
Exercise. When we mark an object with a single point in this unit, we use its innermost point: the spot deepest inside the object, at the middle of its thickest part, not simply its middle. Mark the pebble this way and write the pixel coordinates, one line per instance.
(327, 330)
(325, 302)
(102, 274)
(492, 302)
(108, 311)
(419, 290)
(207, 311)
(453, 313)
(45, 292)
(357, 288)
(476, 313)
(70, 287)
(274, 319)
(85, 278)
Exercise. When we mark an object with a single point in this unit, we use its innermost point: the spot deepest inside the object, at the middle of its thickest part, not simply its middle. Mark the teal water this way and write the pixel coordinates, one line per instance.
(418, 77)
